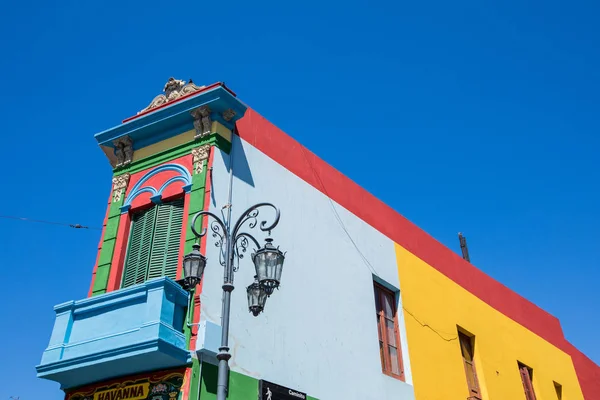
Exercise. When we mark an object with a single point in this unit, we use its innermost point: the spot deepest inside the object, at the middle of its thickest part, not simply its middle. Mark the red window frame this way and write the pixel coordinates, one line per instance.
(388, 342)
(467, 350)
(527, 379)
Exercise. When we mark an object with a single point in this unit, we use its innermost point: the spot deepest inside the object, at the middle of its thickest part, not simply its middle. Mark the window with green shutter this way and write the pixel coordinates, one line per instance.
(153, 247)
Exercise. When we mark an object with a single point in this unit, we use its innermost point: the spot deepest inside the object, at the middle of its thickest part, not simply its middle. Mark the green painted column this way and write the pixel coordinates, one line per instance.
(108, 247)
(196, 204)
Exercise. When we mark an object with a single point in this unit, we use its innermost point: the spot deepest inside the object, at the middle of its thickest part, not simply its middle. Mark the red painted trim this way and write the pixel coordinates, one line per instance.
(290, 154)
(116, 267)
(184, 224)
(588, 372)
(100, 244)
(181, 99)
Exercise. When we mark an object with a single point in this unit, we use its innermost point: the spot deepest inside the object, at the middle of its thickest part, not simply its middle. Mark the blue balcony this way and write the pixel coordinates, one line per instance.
(129, 331)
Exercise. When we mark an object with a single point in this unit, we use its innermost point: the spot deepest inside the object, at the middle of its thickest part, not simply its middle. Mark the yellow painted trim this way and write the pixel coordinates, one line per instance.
(110, 154)
(221, 130)
(180, 139)
(167, 144)
(436, 306)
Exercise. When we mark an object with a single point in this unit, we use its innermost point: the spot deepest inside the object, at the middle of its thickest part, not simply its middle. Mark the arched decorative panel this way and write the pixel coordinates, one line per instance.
(144, 185)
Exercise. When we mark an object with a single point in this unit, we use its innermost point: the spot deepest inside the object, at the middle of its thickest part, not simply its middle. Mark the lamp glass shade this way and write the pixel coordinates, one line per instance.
(257, 297)
(268, 262)
(194, 264)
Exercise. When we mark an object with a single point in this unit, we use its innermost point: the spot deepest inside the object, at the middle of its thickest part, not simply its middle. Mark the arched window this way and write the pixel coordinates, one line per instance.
(153, 245)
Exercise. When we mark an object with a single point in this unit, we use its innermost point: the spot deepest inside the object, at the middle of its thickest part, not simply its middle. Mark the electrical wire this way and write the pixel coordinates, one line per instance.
(40, 221)
(337, 216)
(362, 256)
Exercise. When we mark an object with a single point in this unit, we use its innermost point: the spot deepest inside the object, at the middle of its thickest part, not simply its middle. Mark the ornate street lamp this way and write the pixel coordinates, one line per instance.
(268, 262)
(193, 267)
(257, 297)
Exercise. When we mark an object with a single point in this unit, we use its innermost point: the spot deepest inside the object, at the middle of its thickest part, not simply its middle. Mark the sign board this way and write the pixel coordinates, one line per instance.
(153, 386)
(271, 391)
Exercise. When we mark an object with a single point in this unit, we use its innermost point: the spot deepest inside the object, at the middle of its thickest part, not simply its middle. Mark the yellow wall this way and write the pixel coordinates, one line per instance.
(436, 362)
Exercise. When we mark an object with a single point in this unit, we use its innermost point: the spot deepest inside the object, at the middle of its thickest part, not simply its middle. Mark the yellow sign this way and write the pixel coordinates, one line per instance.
(131, 392)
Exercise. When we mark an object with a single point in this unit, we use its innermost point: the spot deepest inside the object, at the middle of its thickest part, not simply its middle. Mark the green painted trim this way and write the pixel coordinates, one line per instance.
(196, 204)
(108, 247)
(101, 279)
(194, 393)
(241, 387)
(175, 152)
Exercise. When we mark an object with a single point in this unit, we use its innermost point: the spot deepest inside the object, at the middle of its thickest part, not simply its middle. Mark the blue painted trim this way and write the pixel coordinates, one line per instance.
(174, 119)
(156, 195)
(74, 372)
(119, 301)
(156, 199)
(120, 333)
(386, 285)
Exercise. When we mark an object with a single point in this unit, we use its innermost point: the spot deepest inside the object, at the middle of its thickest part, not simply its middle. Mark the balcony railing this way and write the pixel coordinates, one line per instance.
(128, 331)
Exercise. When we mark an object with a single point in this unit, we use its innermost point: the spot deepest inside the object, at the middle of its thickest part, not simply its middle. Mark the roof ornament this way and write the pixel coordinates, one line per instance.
(174, 89)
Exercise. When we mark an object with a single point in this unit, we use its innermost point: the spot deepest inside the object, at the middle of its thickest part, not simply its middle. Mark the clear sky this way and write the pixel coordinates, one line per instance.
(463, 116)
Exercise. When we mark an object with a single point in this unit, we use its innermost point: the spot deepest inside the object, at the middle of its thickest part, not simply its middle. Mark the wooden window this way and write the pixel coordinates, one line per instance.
(153, 247)
(558, 389)
(527, 379)
(387, 328)
(467, 349)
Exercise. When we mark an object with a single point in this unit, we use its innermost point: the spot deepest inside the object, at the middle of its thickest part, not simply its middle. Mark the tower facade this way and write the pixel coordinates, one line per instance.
(370, 306)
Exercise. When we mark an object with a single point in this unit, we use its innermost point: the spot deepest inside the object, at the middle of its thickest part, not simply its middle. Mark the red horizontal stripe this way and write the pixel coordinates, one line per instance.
(286, 151)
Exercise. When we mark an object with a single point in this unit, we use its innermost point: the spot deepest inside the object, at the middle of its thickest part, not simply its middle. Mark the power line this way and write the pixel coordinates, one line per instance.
(337, 216)
(362, 256)
(40, 221)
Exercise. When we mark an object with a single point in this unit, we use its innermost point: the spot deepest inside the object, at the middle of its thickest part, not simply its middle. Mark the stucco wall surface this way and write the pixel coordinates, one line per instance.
(318, 333)
(440, 305)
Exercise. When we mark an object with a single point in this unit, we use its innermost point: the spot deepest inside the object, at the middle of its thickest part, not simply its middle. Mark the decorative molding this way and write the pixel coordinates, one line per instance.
(228, 114)
(174, 89)
(119, 185)
(182, 176)
(202, 121)
(123, 150)
(199, 154)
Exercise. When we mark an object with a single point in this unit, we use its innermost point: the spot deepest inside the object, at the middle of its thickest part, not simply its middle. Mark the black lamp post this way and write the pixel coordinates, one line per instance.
(268, 262)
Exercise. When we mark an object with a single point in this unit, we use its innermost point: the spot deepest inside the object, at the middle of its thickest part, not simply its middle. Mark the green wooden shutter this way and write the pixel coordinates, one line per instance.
(164, 258)
(139, 247)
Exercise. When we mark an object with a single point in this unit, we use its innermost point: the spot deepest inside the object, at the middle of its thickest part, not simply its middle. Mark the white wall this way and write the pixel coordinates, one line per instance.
(318, 333)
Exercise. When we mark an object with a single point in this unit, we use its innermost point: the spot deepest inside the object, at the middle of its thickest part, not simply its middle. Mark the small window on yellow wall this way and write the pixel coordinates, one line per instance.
(527, 379)
(153, 246)
(467, 349)
(558, 389)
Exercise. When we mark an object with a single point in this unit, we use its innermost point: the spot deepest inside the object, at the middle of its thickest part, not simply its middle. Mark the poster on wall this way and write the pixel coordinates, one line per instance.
(154, 386)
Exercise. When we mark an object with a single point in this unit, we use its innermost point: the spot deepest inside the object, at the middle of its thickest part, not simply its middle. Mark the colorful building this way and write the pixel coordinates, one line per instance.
(370, 306)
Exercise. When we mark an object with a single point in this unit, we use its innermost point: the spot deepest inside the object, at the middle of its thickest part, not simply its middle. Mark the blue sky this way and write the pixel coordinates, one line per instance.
(473, 116)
